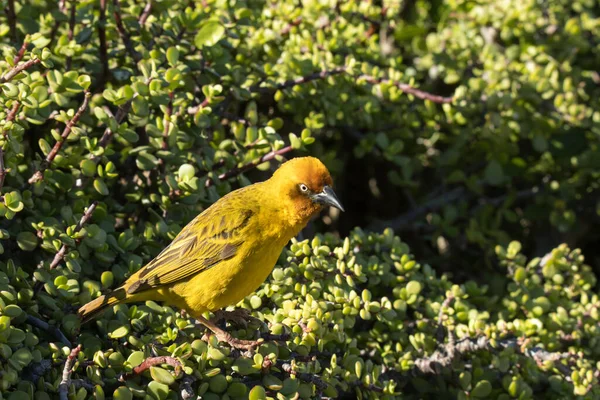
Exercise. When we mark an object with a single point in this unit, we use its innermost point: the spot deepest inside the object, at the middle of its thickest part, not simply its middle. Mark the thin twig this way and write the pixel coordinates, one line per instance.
(18, 68)
(103, 47)
(63, 388)
(237, 171)
(21, 52)
(123, 32)
(46, 327)
(145, 13)
(310, 378)
(71, 33)
(299, 81)
(9, 117)
(39, 175)
(84, 219)
(150, 362)
(167, 122)
(408, 89)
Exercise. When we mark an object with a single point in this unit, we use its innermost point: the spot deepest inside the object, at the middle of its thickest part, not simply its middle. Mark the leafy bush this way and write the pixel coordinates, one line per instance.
(120, 122)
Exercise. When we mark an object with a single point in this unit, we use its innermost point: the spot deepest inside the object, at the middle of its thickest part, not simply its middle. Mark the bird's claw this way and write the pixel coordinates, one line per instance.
(238, 343)
(239, 316)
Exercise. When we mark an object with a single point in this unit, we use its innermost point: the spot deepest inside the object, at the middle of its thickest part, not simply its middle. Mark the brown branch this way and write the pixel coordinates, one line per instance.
(12, 19)
(237, 171)
(299, 81)
(145, 13)
(9, 117)
(408, 89)
(39, 175)
(123, 33)
(71, 33)
(2, 169)
(310, 378)
(21, 52)
(63, 388)
(84, 219)
(167, 122)
(46, 327)
(108, 133)
(151, 362)
(103, 47)
(18, 68)
(289, 26)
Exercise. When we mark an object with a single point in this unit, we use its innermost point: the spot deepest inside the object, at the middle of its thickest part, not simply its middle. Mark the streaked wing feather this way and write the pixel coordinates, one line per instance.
(214, 236)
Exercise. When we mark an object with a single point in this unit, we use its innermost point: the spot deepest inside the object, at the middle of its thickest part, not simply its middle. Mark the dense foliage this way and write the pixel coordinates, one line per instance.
(467, 128)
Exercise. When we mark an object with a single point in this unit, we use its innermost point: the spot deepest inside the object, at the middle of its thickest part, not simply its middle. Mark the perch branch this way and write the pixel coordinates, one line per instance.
(39, 175)
(21, 52)
(84, 219)
(237, 171)
(63, 388)
(18, 68)
(151, 362)
(51, 330)
(123, 32)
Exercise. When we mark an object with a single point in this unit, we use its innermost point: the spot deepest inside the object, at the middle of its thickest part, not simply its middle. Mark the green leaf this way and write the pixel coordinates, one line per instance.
(210, 33)
(27, 241)
(172, 56)
(493, 173)
(161, 375)
(146, 161)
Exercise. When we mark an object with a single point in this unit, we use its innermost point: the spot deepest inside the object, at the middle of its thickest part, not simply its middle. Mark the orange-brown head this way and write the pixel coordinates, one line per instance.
(304, 187)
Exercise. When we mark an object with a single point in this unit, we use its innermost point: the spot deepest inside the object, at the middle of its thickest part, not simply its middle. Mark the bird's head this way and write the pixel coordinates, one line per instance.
(305, 186)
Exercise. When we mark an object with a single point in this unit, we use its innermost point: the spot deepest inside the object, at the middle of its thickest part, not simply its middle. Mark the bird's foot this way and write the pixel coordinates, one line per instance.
(239, 316)
(226, 337)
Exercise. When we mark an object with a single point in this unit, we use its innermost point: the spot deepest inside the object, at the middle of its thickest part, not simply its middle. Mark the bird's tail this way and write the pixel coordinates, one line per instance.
(98, 305)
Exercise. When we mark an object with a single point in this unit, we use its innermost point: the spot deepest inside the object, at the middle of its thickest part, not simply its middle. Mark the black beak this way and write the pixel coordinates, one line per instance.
(327, 197)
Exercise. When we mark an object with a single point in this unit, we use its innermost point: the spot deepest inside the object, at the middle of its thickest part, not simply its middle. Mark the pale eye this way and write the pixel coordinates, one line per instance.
(303, 188)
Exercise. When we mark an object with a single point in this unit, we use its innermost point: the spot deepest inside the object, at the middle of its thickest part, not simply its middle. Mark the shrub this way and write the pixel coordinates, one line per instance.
(120, 122)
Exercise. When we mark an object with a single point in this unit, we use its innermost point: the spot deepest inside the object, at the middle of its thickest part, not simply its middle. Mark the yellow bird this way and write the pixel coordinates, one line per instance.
(227, 251)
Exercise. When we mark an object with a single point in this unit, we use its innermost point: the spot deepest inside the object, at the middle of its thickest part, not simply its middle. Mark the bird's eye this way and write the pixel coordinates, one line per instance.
(303, 187)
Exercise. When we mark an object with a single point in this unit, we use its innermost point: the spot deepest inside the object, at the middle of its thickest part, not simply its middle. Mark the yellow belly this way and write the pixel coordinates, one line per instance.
(226, 283)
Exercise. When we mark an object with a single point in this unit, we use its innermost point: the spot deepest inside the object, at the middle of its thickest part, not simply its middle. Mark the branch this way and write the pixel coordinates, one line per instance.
(84, 219)
(145, 13)
(18, 68)
(71, 31)
(46, 327)
(124, 34)
(407, 218)
(298, 81)
(237, 171)
(150, 362)
(447, 353)
(21, 52)
(9, 117)
(108, 133)
(63, 388)
(12, 19)
(39, 175)
(319, 384)
(408, 89)
(102, 38)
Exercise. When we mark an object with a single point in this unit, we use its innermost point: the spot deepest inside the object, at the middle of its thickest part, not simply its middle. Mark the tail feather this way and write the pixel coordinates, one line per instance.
(98, 305)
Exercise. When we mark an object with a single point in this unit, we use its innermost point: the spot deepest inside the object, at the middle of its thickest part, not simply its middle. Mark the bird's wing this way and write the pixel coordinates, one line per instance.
(212, 237)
